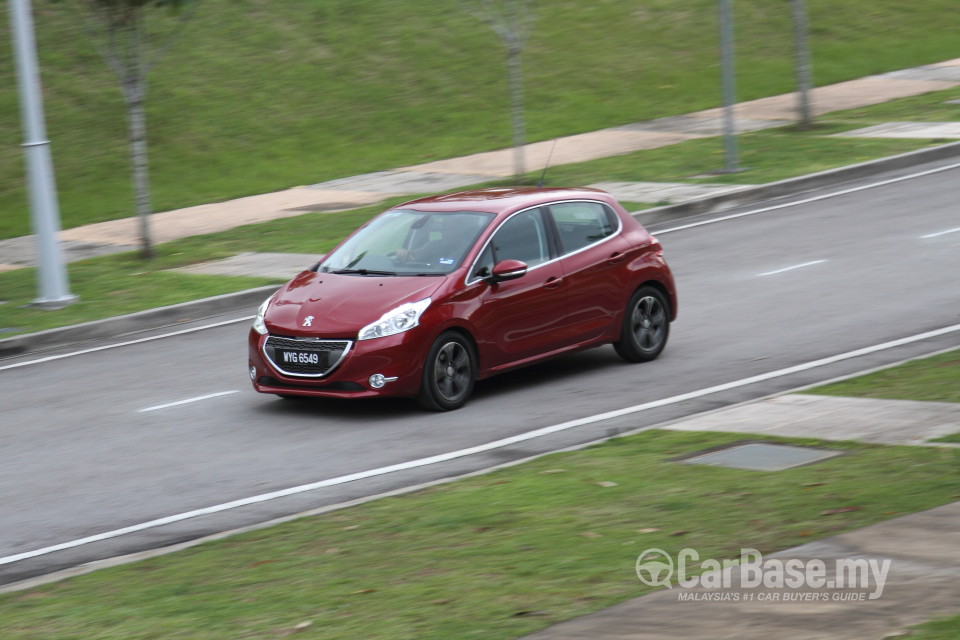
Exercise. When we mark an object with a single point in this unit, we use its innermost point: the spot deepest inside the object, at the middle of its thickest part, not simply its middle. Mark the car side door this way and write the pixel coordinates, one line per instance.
(592, 256)
(524, 318)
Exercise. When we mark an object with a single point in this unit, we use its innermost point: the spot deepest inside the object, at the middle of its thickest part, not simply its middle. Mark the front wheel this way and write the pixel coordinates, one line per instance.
(646, 325)
(448, 373)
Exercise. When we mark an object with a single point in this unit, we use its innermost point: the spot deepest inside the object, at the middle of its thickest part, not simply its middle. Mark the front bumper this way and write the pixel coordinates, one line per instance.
(399, 356)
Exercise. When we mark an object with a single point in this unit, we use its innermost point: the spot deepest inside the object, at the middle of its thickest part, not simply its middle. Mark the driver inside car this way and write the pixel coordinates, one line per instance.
(439, 247)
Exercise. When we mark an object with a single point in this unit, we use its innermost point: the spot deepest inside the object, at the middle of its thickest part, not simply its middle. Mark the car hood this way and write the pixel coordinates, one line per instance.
(338, 306)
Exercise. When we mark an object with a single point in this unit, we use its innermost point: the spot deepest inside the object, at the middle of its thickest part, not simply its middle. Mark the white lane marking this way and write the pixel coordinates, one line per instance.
(497, 444)
(796, 266)
(124, 344)
(188, 400)
(844, 192)
(941, 233)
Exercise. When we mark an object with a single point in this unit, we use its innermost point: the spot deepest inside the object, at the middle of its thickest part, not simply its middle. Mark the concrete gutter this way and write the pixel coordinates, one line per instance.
(247, 301)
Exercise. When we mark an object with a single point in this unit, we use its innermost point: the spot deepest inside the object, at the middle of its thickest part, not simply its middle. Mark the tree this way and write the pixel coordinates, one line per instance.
(512, 21)
(802, 65)
(125, 46)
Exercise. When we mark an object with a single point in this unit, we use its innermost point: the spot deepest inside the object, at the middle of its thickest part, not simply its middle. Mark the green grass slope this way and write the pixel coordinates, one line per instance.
(259, 96)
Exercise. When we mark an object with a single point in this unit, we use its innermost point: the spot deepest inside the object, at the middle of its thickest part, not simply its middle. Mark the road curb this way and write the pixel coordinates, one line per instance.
(248, 300)
(794, 186)
(140, 321)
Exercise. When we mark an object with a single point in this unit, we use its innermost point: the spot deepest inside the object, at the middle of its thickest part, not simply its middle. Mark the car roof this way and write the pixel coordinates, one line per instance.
(503, 199)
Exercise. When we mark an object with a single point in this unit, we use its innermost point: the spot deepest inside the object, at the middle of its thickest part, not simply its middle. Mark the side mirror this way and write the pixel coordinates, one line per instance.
(507, 270)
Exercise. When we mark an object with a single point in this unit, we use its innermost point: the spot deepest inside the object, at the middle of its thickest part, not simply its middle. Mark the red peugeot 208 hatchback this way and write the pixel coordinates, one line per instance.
(435, 294)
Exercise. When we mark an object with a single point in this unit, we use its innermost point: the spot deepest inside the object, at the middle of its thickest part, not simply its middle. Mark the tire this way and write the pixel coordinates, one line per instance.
(646, 326)
(449, 373)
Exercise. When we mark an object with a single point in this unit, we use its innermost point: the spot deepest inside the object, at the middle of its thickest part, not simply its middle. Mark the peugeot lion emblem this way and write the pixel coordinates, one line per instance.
(308, 321)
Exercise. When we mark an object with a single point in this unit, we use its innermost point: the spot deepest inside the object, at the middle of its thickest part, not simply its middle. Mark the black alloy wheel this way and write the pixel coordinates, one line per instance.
(646, 326)
(448, 373)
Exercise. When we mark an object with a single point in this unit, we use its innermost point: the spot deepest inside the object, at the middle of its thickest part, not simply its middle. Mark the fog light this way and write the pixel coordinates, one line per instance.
(253, 372)
(377, 380)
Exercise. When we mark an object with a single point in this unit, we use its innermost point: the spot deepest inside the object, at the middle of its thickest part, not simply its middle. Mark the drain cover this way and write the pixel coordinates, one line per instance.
(762, 457)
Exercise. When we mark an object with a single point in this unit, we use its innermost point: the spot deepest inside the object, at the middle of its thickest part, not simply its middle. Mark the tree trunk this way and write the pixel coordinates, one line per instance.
(729, 81)
(802, 62)
(134, 92)
(516, 107)
(141, 177)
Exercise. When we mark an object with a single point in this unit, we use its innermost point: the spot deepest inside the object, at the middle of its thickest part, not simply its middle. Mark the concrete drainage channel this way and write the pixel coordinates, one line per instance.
(247, 301)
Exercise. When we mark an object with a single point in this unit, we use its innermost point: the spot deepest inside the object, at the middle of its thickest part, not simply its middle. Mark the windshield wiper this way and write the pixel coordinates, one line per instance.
(365, 272)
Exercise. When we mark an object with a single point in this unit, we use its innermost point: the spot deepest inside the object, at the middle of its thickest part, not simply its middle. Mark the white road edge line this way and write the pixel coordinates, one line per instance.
(796, 266)
(843, 192)
(941, 233)
(188, 400)
(445, 457)
(124, 344)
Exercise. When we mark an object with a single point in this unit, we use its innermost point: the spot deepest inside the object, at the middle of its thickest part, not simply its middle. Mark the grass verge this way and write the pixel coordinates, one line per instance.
(933, 379)
(942, 629)
(495, 556)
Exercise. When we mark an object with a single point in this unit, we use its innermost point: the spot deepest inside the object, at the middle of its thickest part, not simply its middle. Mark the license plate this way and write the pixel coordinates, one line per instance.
(302, 357)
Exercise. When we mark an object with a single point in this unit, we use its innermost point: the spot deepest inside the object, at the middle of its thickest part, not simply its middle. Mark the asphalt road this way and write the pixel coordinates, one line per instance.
(101, 441)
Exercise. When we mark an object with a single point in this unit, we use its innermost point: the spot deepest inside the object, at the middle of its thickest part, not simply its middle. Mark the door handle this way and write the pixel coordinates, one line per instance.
(616, 257)
(552, 283)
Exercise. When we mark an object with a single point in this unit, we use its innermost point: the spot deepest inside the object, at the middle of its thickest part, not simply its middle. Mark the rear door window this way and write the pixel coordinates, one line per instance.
(580, 224)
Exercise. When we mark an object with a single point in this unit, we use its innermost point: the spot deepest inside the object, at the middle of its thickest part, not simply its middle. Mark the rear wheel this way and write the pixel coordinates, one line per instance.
(646, 326)
(448, 373)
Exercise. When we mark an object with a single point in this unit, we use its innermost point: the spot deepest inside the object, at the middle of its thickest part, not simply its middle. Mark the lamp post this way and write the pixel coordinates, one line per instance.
(52, 285)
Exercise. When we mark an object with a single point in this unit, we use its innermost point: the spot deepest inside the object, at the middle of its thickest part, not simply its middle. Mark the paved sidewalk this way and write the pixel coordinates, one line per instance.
(922, 584)
(835, 418)
(923, 581)
(281, 266)
(347, 193)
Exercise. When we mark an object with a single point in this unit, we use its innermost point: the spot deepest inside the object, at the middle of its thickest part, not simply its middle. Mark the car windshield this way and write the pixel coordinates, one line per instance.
(405, 242)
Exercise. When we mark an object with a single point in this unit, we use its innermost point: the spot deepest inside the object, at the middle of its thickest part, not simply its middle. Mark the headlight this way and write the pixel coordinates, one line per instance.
(258, 324)
(398, 320)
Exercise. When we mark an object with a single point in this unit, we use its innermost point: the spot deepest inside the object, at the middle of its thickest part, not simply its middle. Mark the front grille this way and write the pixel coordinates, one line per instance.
(305, 357)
